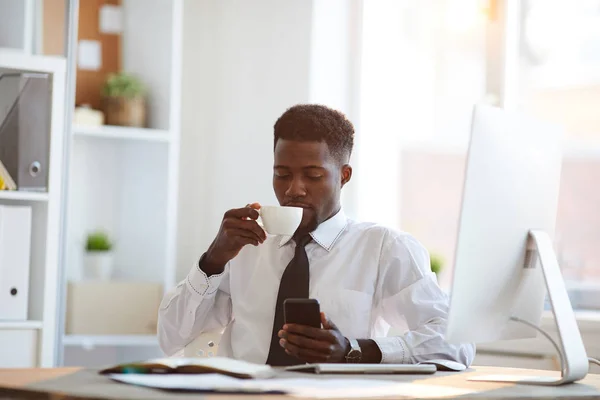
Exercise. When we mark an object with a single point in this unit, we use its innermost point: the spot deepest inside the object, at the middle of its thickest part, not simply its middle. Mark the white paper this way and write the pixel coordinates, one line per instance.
(89, 55)
(302, 387)
(111, 19)
(207, 382)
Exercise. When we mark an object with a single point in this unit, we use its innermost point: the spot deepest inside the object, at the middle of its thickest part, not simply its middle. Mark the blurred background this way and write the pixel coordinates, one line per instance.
(174, 104)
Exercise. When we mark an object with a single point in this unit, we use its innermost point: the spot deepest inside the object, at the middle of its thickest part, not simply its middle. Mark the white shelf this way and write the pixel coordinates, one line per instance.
(110, 340)
(21, 324)
(23, 195)
(122, 132)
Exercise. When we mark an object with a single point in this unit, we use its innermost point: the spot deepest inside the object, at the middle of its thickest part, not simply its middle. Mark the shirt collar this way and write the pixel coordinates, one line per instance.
(327, 233)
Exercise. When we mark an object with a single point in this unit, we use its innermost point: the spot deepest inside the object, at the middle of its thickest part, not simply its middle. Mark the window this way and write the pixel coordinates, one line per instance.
(559, 81)
(420, 80)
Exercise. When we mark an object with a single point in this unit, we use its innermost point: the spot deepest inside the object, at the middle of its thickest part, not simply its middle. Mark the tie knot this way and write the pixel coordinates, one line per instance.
(302, 241)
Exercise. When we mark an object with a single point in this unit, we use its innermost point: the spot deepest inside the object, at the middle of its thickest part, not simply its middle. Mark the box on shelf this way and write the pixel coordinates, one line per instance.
(15, 246)
(112, 308)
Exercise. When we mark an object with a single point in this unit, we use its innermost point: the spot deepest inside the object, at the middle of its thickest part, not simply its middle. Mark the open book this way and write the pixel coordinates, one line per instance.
(246, 370)
(221, 365)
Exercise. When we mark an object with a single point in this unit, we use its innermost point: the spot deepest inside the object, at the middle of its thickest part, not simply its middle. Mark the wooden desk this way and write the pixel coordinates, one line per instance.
(13, 381)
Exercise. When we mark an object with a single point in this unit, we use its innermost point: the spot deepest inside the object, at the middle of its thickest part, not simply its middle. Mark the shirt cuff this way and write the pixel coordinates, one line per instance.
(201, 284)
(393, 350)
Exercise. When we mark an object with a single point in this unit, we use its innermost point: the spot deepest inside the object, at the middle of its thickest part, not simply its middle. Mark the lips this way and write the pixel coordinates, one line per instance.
(297, 205)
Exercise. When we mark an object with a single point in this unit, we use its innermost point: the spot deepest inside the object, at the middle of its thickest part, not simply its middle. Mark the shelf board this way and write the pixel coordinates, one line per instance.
(21, 324)
(23, 195)
(122, 132)
(110, 340)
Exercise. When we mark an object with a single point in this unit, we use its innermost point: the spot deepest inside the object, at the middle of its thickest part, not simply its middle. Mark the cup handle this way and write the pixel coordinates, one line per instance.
(260, 222)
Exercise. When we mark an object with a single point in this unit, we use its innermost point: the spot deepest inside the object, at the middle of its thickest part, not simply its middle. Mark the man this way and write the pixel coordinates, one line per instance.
(365, 277)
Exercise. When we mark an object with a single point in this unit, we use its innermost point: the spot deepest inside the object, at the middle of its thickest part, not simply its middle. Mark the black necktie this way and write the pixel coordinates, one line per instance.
(294, 284)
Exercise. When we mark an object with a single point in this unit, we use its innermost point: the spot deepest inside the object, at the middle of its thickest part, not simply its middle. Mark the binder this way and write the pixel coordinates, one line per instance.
(25, 100)
(15, 244)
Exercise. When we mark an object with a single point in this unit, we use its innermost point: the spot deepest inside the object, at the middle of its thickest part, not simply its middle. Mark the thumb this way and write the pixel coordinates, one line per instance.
(256, 206)
(327, 323)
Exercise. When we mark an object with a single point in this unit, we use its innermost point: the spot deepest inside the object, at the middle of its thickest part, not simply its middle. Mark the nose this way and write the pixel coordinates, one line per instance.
(296, 189)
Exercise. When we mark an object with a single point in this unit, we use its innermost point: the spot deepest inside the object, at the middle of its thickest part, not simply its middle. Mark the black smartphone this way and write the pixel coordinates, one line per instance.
(302, 311)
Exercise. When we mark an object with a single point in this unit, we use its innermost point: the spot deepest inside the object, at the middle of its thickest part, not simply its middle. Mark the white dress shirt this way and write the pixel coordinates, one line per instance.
(365, 276)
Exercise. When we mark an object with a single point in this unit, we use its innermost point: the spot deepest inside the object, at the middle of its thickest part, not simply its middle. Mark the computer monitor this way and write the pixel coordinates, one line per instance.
(504, 264)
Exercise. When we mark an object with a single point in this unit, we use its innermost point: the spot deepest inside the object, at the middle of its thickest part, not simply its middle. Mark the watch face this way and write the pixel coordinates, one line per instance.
(354, 355)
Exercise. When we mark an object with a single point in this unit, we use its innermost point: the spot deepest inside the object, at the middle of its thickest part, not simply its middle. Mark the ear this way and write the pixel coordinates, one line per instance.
(346, 174)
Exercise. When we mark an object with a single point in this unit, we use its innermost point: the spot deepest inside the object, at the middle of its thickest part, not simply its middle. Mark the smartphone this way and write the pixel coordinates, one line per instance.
(302, 311)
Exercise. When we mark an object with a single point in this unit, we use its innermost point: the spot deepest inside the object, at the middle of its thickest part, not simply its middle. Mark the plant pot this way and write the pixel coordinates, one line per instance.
(99, 265)
(124, 111)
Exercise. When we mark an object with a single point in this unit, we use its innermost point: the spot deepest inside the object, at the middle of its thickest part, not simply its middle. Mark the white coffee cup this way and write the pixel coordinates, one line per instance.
(280, 220)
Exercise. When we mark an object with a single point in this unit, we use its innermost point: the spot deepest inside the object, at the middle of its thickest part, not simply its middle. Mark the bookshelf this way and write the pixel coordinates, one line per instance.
(27, 325)
(33, 342)
(92, 341)
(124, 180)
(16, 195)
(125, 133)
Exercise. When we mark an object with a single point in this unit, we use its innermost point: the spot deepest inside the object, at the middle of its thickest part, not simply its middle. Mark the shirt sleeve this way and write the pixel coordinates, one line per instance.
(197, 304)
(409, 296)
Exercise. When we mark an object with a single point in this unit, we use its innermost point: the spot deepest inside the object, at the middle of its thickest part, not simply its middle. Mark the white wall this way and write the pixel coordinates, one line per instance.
(335, 70)
(244, 63)
(12, 20)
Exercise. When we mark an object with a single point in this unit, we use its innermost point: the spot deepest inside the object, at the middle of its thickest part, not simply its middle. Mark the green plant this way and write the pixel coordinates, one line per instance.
(123, 85)
(436, 263)
(98, 241)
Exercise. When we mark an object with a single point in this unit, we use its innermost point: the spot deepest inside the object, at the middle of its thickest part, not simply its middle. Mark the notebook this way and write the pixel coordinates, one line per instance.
(221, 365)
(382, 369)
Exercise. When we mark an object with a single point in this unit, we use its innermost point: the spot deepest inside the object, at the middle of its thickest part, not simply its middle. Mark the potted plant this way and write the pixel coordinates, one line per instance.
(99, 256)
(124, 101)
(436, 263)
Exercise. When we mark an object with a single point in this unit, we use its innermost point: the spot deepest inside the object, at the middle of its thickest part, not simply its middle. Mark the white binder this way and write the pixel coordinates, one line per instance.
(15, 241)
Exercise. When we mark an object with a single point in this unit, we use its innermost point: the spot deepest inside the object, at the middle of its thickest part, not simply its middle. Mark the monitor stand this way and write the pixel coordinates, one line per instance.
(574, 362)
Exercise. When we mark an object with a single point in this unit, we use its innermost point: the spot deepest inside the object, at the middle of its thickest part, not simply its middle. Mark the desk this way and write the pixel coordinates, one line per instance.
(75, 383)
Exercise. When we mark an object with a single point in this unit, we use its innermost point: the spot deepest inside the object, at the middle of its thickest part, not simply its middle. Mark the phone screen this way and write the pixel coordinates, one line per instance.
(303, 312)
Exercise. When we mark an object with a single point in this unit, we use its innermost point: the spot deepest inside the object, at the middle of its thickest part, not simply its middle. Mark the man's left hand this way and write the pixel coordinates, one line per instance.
(315, 345)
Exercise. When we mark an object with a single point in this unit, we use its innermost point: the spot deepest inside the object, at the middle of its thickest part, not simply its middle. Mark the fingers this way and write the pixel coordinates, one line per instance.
(310, 332)
(327, 323)
(307, 343)
(256, 206)
(246, 212)
(244, 237)
(306, 355)
(255, 228)
(234, 224)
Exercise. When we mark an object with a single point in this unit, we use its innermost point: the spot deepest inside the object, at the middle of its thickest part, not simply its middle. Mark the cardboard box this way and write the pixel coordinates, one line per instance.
(112, 308)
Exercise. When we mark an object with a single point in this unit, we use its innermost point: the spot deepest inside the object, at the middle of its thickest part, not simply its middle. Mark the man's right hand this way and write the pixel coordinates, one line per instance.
(238, 228)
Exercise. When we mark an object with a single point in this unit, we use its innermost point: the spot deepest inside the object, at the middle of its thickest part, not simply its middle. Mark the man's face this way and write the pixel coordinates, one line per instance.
(306, 175)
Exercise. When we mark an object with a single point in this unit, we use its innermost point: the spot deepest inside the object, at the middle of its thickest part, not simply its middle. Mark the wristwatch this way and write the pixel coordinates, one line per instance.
(355, 353)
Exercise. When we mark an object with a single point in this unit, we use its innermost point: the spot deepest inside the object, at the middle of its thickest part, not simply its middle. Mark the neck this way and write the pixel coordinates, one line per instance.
(331, 215)
(303, 232)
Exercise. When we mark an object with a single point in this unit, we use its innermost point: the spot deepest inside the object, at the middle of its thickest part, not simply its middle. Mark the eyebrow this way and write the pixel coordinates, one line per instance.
(306, 167)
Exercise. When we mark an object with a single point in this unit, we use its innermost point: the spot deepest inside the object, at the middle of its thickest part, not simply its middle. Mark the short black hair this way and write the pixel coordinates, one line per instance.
(317, 123)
